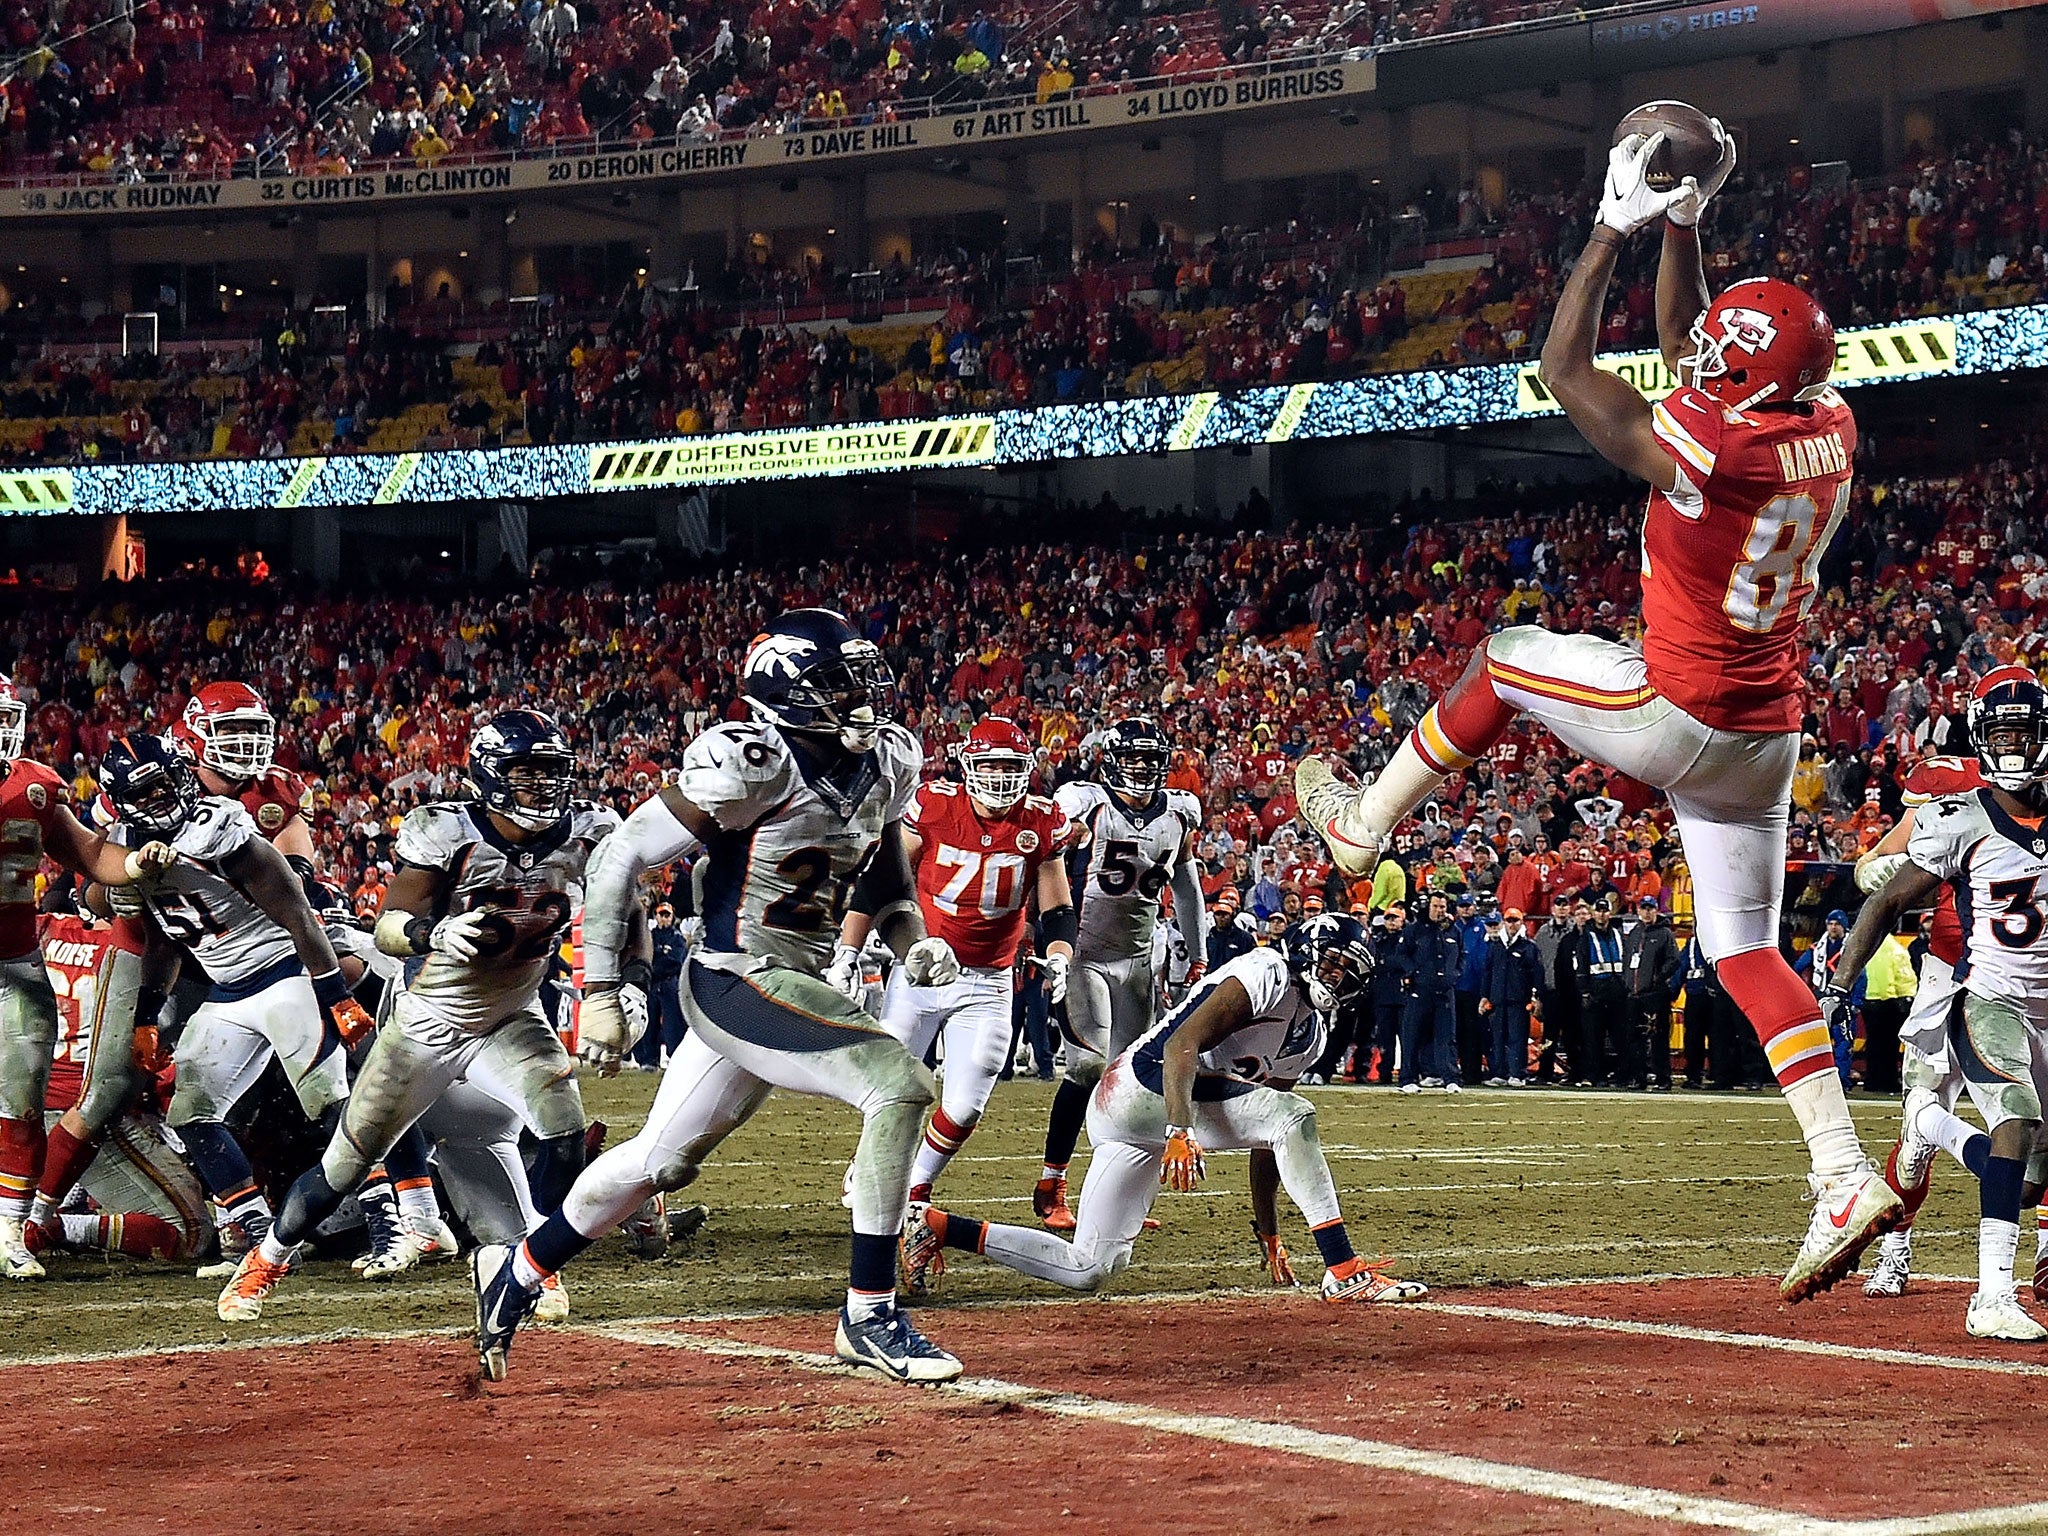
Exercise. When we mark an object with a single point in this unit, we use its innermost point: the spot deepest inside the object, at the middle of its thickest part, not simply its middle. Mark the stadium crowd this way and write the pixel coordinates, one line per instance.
(116, 90)
(1253, 646)
(1300, 301)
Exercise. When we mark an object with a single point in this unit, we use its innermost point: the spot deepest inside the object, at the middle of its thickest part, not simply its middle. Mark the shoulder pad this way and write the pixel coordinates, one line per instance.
(902, 762)
(1184, 805)
(1264, 976)
(432, 836)
(591, 821)
(737, 772)
(1944, 831)
(217, 828)
(1079, 796)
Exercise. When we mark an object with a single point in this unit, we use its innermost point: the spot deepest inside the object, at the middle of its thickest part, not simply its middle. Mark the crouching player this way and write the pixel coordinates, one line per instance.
(1990, 845)
(1217, 1074)
(105, 1137)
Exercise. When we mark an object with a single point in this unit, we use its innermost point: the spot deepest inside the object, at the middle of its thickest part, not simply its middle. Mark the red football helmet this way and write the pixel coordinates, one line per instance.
(13, 721)
(2009, 727)
(1762, 341)
(995, 762)
(226, 728)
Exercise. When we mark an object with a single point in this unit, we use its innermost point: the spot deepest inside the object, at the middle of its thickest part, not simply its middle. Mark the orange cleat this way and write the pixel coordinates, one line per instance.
(1357, 1280)
(1049, 1200)
(242, 1298)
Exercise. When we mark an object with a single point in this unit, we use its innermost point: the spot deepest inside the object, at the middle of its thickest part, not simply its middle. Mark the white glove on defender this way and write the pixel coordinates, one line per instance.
(609, 1024)
(1628, 203)
(843, 974)
(1693, 196)
(1873, 873)
(931, 963)
(455, 936)
(1056, 969)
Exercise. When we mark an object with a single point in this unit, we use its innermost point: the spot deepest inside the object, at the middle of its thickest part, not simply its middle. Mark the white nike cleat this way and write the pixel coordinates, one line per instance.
(433, 1236)
(552, 1305)
(888, 1343)
(1357, 1281)
(1330, 806)
(1999, 1315)
(16, 1262)
(1849, 1213)
(1894, 1270)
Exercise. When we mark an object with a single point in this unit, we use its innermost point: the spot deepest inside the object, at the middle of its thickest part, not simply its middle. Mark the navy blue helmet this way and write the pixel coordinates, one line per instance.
(150, 782)
(522, 768)
(1330, 955)
(1135, 757)
(809, 671)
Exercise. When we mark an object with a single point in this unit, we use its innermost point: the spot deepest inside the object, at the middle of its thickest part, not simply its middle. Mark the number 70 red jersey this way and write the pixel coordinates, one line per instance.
(976, 873)
(1732, 553)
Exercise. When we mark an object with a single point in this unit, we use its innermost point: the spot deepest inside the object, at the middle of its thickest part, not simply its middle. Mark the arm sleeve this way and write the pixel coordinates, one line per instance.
(648, 838)
(1189, 914)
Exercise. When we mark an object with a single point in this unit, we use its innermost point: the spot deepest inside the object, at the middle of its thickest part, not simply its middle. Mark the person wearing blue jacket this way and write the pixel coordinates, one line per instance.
(1392, 985)
(1429, 1024)
(1473, 931)
(1514, 967)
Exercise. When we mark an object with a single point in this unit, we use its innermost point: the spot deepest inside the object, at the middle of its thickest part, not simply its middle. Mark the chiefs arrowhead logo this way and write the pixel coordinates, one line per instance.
(1027, 840)
(1750, 329)
(270, 816)
(38, 796)
(780, 655)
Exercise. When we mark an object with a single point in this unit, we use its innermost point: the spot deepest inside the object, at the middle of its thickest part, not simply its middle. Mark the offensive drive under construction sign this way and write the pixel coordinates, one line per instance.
(852, 450)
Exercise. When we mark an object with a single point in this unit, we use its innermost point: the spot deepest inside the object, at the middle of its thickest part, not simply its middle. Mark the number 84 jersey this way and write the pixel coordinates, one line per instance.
(1998, 868)
(1131, 856)
(528, 892)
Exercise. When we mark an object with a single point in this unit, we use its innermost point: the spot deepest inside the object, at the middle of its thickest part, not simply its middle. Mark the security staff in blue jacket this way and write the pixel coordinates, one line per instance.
(1606, 1031)
(1392, 986)
(666, 1027)
(1429, 1025)
(1473, 927)
(1514, 967)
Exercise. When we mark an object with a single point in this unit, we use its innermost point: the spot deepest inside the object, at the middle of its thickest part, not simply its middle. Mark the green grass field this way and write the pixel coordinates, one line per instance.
(1486, 1187)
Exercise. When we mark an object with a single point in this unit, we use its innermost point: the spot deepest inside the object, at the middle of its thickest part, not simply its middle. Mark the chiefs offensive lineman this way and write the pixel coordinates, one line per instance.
(232, 740)
(981, 848)
(1749, 467)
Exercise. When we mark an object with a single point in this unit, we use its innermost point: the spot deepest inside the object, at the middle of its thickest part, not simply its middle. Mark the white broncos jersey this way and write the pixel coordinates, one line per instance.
(1128, 861)
(1998, 868)
(204, 910)
(791, 841)
(529, 892)
(1282, 1041)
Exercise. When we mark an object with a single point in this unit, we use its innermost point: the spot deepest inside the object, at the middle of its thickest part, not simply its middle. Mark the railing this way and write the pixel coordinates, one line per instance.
(898, 111)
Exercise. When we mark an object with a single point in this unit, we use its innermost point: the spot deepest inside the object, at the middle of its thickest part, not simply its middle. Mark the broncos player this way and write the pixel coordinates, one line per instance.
(1217, 1073)
(1989, 845)
(800, 816)
(35, 822)
(484, 892)
(1137, 839)
(231, 903)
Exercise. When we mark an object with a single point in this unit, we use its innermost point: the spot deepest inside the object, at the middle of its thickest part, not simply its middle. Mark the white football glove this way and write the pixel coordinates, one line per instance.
(1628, 204)
(1693, 196)
(931, 963)
(1873, 872)
(1056, 969)
(605, 1029)
(843, 974)
(456, 936)
(149, 859)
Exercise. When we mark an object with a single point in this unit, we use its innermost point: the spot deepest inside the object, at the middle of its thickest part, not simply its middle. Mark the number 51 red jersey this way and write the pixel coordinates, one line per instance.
(975, 873)
(1731, 554)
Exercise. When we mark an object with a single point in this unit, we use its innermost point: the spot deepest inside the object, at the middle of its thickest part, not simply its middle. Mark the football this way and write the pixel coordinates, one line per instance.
(1688, 149)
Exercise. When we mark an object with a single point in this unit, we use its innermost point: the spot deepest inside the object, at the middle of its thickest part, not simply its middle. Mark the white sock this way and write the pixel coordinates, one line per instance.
(418, 1199)
(41, 1209)
(1997, 1242)
(2041, 1234)
(1897, 1244)
(862, 1305)
(1823, 1115)
(273, 1251)
(1946, 1130)
(524, 1270)
(1048, 1172)
(1394, 793)
(931, 1162)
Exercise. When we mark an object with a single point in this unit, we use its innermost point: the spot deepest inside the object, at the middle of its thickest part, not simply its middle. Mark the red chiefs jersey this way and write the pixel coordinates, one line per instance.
(1731, 553)
(72, 952)
(274, 799)
(1930, 779)
(975, 873)
(30, 795)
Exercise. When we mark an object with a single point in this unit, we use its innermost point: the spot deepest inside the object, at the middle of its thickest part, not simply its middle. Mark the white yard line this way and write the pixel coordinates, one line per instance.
(1763, 1341)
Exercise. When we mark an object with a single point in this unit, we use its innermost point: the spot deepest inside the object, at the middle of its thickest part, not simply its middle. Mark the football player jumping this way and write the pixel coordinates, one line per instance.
(35, 822)
(484, 892)
(800, 814)
(1216, 1074)
(1749, 467)
(1924, 1036)
(981, 849)
(1989, 844)
(232, 903)
(1138, 838)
